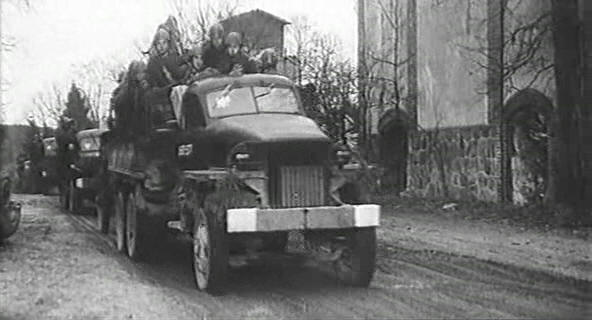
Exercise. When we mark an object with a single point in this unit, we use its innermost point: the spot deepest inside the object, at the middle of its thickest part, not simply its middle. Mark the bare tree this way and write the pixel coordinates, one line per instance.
(327, 80)
(380, 76)
(97, 79)
(49, 105)
(526, 59)
(194, 18)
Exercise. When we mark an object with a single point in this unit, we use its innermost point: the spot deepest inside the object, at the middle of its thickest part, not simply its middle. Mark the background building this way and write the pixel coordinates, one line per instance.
(459, 95)
(259, 29)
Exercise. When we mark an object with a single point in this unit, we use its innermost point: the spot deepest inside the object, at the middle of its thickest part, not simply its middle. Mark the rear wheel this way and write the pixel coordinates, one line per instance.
(102, 216)
(135, 230)
(64, 196)
(73, 198)
(357, 262)
(120, 222)
(210, 248)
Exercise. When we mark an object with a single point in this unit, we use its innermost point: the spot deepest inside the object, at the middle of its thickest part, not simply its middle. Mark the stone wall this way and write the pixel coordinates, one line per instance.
(456, 163)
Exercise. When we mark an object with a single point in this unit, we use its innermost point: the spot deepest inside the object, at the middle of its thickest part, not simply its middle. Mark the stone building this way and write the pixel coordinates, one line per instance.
(459, 95)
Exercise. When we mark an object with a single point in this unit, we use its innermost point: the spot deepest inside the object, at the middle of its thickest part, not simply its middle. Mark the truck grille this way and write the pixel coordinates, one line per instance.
(301, 186)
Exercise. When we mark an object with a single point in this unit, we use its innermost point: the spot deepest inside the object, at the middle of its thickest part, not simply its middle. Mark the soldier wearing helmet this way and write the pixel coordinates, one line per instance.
(214, 50)
(239, 61)
(164, 66)
(197, 69)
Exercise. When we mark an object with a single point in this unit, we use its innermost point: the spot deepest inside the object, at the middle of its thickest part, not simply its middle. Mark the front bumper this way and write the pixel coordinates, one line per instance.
(264, 220)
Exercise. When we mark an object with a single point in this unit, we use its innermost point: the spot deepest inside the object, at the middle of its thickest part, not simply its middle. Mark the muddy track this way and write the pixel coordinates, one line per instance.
(408, 283)
(71, 269)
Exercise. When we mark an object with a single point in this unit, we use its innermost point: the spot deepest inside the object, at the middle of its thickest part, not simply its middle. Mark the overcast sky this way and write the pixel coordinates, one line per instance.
(53, 36)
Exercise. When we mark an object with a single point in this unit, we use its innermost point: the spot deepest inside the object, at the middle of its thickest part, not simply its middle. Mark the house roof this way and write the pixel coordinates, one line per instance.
(258, 11)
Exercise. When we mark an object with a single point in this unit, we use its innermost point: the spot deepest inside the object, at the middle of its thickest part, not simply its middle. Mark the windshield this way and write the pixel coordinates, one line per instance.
(276, 100)
(229, 101)
(248, 100)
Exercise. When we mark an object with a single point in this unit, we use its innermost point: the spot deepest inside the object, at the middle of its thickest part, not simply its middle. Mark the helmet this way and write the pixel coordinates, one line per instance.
(163, 34)
(233, 38)
(217, 30)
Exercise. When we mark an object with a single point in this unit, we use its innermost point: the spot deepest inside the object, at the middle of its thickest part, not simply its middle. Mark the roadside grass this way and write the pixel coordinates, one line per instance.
(535, 216)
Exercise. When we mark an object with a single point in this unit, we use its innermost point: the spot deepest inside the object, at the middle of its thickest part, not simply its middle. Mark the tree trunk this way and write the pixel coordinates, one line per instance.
(567, 191)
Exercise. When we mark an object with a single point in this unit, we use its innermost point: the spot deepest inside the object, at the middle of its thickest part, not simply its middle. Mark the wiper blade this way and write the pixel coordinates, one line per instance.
(269, 89)
(262, 95)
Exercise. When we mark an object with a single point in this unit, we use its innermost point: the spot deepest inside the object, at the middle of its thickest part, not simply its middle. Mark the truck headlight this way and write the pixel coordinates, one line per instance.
(184, 150)
(242, 156)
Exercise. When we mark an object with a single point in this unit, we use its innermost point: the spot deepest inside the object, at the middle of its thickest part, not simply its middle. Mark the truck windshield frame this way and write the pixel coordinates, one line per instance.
(252, 99)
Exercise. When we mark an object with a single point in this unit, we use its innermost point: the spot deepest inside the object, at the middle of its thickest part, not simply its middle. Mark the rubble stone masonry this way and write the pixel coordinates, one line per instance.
(458, 163)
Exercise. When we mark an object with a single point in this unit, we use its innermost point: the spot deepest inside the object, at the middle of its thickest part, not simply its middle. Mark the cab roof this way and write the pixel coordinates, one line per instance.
(209, 84)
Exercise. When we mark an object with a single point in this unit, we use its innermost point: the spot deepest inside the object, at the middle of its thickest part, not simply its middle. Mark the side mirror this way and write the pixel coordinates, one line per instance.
(343, 157)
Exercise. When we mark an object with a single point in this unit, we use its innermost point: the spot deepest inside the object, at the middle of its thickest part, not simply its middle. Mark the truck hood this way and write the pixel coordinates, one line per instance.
(271, 127)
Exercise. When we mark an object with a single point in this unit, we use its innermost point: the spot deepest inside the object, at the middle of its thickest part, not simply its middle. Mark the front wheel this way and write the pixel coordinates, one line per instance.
(357, 262)
(210, 248)
(120, 222)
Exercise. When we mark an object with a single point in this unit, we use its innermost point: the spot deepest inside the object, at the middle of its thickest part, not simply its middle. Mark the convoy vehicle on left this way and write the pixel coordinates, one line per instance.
(10, 211)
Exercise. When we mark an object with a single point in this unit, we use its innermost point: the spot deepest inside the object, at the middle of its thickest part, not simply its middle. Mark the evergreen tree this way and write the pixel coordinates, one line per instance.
(77, 108)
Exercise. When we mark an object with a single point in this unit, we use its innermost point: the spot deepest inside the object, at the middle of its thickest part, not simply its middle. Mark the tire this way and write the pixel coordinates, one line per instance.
(357, 263)
(73, 198)
(210, 248)
(103, 217)
(135, 230)
(10, 218)
(64, 197)
(120, 223)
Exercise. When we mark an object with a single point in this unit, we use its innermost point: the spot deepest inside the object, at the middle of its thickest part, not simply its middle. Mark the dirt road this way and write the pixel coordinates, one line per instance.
(54, 268)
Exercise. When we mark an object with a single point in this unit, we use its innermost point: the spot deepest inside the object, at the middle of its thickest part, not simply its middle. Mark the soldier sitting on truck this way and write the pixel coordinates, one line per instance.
(214, 51)
(267, 61)
(164, 70)
(197, 70)
(239, 61)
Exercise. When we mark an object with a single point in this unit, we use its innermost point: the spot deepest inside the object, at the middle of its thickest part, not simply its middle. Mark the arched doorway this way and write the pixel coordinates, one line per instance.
(393, 128)
(527, 119)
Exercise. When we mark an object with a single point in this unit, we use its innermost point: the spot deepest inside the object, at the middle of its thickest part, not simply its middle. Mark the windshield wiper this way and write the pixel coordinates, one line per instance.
(269, 89)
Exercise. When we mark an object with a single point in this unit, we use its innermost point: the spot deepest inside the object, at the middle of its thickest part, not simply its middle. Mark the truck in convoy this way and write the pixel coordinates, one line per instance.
(10, 211)
(237, 169)
(88, 176)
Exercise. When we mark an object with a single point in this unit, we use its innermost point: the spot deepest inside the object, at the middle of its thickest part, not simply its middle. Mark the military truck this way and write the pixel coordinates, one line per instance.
(240, 168)
(10, 211)
(89, 176)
